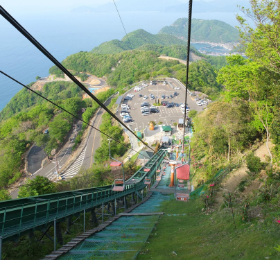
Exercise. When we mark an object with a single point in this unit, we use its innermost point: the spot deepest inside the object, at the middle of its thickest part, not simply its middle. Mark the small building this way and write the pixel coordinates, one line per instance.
(180, 125)
(139, 135)
(165, 141)
(143, 157)
(167, 129)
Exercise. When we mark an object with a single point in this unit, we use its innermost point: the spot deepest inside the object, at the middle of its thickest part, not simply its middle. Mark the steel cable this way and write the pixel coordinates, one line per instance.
(66, 111)
(187, 69)
(21, 29)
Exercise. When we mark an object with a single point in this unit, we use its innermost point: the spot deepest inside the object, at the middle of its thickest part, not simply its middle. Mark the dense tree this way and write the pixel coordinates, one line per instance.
(38, 186)
(262, 42)
(4, 195)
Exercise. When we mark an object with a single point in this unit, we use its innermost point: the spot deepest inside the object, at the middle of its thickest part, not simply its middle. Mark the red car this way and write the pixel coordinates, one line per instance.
(164, 103)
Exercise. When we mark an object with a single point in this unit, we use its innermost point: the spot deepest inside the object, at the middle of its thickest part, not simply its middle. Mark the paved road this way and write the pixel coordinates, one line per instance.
(35, 158)
(86, 158)
(94, 140)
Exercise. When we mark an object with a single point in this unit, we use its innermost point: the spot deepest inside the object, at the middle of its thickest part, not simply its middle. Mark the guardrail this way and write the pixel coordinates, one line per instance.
(22, 215)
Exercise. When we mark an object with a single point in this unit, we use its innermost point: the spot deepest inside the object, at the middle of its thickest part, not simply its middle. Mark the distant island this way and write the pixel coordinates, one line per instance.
(211, 6)
(204, 31)
(165, 6)
(128, 6)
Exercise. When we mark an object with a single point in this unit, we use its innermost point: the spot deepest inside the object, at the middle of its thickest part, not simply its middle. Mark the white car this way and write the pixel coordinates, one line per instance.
(177, 88)
(145, 97)
(145, 109)
(126, 117)
(124, 106)
(199, 103)
(123, 114)
(145, 113)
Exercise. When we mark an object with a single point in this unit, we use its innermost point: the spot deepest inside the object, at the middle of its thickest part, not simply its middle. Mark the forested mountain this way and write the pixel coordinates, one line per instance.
(203, 31)
(135, 40)
(127, 67)
(163, 44)
(26, 116)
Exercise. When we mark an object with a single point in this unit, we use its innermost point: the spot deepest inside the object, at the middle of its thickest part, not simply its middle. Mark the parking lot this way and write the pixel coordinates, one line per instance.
(167, 116)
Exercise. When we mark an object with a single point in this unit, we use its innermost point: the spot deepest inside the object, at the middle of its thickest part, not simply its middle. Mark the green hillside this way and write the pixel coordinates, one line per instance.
(203, 31)
(135, 40)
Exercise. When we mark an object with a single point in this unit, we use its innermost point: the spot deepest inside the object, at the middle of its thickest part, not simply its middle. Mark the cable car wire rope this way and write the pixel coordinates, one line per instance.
(24, 32)
(187, 69)
(67, 111)
(122, 24)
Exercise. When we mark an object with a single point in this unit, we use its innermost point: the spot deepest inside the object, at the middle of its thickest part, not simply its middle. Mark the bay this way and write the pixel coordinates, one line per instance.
(63, 34)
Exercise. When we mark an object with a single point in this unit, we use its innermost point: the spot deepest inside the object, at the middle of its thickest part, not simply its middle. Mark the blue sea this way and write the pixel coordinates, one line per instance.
(63, 34)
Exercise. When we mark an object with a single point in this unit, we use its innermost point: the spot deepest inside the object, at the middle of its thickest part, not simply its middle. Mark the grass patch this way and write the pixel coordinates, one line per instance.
(192, 234)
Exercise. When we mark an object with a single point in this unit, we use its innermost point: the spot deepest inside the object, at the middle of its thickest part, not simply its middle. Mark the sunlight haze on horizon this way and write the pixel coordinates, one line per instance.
(30, 6)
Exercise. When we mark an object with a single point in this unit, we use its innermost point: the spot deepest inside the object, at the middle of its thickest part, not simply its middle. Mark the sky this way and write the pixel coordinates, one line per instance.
(29, 6)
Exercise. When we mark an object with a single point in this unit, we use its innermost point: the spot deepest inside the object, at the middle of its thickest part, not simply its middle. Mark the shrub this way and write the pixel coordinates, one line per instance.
(192, 113)
(254, 163)
(38, 186)
(242, 185)
(4, 195)
(15, 178)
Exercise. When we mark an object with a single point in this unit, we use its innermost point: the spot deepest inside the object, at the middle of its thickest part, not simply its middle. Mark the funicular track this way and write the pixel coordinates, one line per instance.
(121, 239)
(36, 213)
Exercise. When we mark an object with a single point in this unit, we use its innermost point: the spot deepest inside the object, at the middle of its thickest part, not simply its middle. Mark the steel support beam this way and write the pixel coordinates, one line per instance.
(1, 248)
(84, 220)
(93, 217)
(102, 213)
(54, 234)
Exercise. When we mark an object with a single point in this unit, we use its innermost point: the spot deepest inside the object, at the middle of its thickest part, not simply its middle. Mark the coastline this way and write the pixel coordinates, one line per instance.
(228, 46)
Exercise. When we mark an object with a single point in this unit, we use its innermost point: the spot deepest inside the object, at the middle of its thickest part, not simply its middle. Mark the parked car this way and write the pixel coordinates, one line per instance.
(126, 117)
(176, 104)
(128, 98)
(124, 114)
(145, 97)
(164, 103)
(146, 113)
(125, 107)
(176, 94)
(171, 96)
(140, 95)
(127, 120)
(170, 105)
(163, 96)
(145, 109)
(145, 104)
(154, 110)
(177, 88)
